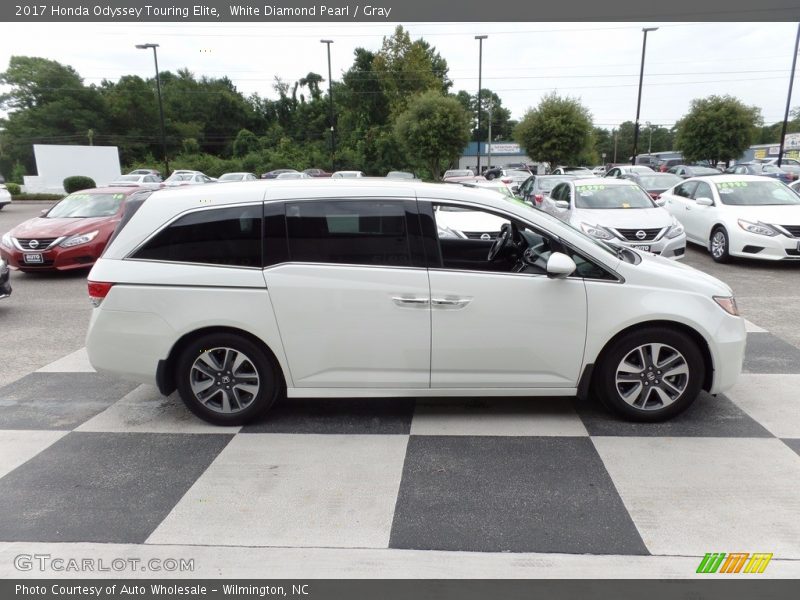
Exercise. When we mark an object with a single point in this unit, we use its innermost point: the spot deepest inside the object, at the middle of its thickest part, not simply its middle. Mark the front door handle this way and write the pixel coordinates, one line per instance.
(454, 303)
(410, 301)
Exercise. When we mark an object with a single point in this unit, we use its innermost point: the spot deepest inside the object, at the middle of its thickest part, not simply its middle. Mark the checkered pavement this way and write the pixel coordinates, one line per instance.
(86, 458)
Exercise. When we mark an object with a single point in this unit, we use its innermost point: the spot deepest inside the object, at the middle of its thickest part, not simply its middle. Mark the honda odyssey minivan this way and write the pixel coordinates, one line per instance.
(239, 295)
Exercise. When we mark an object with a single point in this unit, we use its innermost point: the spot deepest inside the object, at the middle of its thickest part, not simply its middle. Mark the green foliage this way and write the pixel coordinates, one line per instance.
(77, 183)
(37, 196)
(18, 173)
(13, 189)
(717, 128)
(502, 125)
(433, 130)
(246, 141)
(558, 131)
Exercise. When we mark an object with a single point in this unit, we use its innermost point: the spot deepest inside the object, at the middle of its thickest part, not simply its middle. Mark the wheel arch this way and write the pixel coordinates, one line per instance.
(698, 338)
(165, 372)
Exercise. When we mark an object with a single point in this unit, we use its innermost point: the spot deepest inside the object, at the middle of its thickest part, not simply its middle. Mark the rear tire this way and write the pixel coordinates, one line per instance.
(651, 374)
(226, 379)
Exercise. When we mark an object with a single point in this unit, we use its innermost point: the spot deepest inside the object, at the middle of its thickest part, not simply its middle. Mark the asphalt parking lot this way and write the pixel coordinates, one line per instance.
(95, 467)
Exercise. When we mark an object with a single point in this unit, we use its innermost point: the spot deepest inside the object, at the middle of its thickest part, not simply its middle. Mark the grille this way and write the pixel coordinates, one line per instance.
(630, 234)
(41, 243)
(476, 235)
(793, 229)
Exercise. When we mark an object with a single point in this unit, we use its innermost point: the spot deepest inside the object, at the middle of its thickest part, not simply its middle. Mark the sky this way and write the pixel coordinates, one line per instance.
(596, 62)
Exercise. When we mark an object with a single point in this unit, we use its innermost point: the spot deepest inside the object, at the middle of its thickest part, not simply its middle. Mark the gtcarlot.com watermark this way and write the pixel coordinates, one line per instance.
(60, 564)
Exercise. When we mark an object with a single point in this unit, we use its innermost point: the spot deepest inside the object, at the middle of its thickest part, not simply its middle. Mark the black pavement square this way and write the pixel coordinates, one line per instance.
(510, 494)
(102, 487)
(58, 400)
(337, 415)
(793, 444)
(709, 416)
(767, 353)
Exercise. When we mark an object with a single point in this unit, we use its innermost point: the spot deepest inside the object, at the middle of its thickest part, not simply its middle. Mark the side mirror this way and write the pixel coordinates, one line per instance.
(560, 265)
(562, 204)
(704, 202)
(43, 212)
(660, 201)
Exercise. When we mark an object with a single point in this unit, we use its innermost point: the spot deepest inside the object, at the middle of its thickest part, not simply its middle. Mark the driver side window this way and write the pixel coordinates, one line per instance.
(467, 235)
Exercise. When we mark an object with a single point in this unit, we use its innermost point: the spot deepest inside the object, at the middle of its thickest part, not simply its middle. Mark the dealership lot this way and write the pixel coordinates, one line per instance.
(99, 467)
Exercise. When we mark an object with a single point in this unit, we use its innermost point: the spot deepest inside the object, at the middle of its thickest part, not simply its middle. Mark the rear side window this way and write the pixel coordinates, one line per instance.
(227, 236)
(369, 232)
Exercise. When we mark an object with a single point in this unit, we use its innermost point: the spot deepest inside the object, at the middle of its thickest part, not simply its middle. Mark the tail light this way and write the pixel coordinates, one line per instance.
(655, 196)
(538, 198)
(506, 180)
(98, 290)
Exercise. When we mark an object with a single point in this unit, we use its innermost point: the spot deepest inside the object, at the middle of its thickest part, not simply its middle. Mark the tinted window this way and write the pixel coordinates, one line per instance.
(686, 189)
(348, 232)
(228, 236)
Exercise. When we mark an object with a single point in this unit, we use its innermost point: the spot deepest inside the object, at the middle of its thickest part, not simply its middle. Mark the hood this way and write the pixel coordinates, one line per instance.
(788, 214)
(53, 228)
(672, 274)
(625, 218)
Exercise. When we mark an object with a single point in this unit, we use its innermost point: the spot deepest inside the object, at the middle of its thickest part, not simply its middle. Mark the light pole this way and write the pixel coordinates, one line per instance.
(789, 96)
(160, 106)
(649, 137)
(480, 39)
(615, 146)
(639, 100)
(489, 142)
(330, 99)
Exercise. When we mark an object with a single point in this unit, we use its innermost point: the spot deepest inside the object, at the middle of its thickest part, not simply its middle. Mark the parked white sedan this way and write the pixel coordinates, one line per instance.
(738, 215)
(619, 212)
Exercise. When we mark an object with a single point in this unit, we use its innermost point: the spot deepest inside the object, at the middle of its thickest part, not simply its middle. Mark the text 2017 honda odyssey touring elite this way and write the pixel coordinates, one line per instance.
(240, 294)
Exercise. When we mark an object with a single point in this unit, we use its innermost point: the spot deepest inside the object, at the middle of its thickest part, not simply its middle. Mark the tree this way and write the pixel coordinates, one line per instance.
(434, 129)
(406, 68)
(502, 125)
(558, 131)
(717, 129)
(246, 142)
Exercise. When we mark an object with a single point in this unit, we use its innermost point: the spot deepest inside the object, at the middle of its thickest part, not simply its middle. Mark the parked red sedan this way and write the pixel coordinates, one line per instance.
(70, 235)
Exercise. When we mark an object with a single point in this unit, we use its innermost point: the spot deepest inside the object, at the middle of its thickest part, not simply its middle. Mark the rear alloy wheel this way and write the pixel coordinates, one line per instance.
(651, 374)
(226, 379)
(719, 246)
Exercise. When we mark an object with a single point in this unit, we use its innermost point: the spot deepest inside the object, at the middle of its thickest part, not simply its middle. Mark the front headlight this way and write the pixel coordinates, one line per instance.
(77, 240)
(675, 230)
(6, 241)
(728, 304)
(596, 231)
(758, 228)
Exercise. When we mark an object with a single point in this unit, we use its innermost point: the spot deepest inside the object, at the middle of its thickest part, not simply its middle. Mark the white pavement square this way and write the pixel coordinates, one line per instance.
(18, 447)
(77, 362)
(697, 495)
(293, 490)
(497, 416)
(145, 410)
(772, 400)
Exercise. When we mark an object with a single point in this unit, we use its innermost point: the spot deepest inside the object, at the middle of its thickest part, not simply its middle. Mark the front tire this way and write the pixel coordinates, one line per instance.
(226, 379)
(651, 374)
(719, 245)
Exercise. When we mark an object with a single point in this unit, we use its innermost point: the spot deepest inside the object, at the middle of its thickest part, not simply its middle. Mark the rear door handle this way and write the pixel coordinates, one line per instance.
(410, 301)
(453, 303)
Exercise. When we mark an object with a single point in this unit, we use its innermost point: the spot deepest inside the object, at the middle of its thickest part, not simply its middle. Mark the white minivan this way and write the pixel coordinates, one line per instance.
(238, 295)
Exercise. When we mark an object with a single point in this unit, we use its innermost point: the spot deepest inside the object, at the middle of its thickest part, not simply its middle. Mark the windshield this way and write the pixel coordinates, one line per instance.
(181, 177)
(659, 181)
(518, 173)
(83, 205)
(232, 177)
(756, 193)
(128, 178)
(704, 171)
(770, 169)
(611, 196)
(459, 173)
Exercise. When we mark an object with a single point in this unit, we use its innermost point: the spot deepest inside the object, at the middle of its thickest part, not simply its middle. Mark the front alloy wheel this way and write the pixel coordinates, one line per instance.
(719, 246)
(650, 374)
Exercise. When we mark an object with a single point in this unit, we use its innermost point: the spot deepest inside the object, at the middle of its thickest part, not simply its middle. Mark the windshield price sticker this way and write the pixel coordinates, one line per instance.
(590, 188)
(731, 184)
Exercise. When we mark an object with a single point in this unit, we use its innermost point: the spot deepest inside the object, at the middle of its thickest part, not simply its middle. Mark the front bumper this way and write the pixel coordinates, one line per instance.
(727, 353)
(55, 259)
(674, 248)
(744, 244)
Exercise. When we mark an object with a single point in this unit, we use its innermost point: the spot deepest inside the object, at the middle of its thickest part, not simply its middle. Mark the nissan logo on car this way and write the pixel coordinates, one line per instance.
(640, 235)
(33, 244)
(485, 237)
